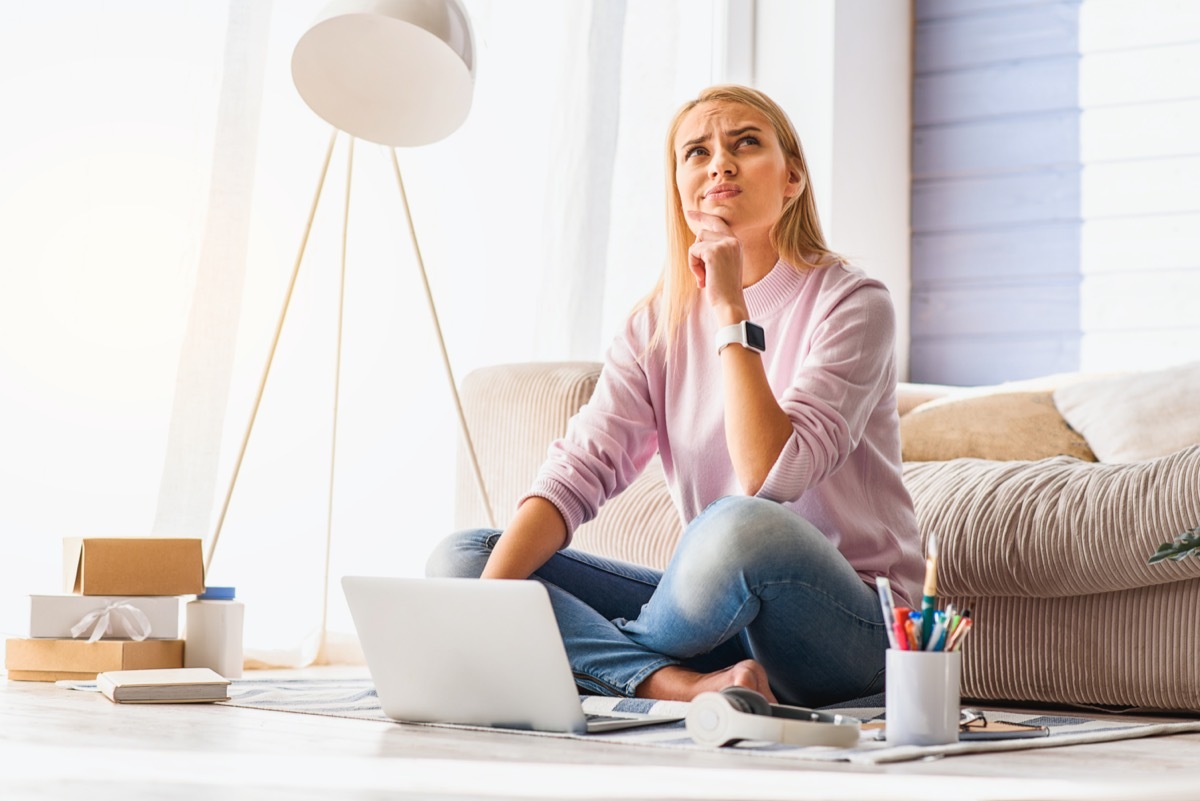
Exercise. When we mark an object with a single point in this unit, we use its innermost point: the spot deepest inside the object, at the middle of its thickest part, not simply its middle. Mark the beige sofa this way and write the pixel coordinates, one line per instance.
(1047, 551)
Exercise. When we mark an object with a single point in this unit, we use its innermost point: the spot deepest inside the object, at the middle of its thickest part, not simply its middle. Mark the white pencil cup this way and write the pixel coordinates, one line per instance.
(922, 697)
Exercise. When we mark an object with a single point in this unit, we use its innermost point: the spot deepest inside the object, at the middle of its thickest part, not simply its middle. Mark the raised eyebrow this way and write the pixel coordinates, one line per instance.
(738, 132)
(729, 134)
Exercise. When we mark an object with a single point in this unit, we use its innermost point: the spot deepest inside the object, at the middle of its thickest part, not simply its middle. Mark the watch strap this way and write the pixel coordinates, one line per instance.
(747, 334)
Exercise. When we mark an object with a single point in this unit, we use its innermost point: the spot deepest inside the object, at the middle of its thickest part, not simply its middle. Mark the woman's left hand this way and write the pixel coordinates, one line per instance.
(715, 259)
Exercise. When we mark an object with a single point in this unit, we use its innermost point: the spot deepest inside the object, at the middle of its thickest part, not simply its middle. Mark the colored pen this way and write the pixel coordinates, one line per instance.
(929, 595)
(913, 627)
(899, 617)
(888, 604)
(963, 618)
(913, 633)
(938, 633)
(915, 618)
(960, 634)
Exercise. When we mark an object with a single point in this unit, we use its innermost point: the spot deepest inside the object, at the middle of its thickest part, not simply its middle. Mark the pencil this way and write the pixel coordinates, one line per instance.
(929, 596)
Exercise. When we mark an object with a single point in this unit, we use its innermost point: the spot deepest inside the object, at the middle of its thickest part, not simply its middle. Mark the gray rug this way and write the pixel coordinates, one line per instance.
(355, 698)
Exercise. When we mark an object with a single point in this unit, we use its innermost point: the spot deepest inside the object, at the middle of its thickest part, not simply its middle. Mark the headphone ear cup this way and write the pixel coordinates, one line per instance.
(746, 700)
(709, 719)
(717, 719)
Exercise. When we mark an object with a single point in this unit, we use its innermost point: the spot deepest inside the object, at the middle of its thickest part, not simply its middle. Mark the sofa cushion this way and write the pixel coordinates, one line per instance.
(1055, 527)
(910, 396)
(1013, 425)
(514, 412)
(1133, 417)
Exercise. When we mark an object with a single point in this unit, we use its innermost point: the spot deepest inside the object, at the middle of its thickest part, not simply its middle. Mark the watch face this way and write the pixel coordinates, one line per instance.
(756, 337)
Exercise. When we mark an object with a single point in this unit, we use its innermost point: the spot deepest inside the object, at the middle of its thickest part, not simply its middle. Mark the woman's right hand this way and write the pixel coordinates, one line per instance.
(536, 533)
(715, 259)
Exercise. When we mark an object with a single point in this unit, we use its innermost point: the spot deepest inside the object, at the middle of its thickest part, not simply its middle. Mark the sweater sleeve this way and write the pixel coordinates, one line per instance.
(836, 388)
(608, 442)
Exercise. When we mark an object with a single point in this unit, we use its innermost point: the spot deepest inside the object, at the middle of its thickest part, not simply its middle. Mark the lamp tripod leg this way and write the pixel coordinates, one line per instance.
(462, 419)
(337, 393)
(262, 384)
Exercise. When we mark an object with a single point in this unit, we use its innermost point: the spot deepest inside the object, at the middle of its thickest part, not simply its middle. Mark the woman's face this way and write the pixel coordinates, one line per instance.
(728, 162)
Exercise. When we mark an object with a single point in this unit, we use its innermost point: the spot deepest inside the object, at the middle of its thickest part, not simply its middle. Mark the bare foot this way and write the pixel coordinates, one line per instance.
(675, 683)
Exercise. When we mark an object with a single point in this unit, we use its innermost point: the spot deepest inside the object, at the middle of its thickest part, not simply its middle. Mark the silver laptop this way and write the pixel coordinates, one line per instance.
(471, 651)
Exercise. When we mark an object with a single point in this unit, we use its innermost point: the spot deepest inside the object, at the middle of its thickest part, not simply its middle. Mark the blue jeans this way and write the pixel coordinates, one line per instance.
(749, 579)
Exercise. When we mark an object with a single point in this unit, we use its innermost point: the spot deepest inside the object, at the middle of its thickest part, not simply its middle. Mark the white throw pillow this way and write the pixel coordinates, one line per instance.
(1136, 416)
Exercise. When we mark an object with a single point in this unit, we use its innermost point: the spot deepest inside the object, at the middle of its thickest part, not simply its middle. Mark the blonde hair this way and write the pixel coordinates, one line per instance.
(797, 235)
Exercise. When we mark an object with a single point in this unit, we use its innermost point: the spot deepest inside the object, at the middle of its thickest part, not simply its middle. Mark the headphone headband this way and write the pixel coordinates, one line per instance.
(716, 719)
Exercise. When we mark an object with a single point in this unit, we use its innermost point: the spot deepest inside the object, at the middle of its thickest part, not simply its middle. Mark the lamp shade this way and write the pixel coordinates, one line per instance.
(396, 72)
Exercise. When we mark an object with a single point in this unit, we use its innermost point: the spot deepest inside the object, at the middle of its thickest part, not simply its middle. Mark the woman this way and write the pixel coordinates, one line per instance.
(782, 457)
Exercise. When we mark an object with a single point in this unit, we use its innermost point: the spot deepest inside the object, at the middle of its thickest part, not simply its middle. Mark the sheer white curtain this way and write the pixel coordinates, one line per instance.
(137, 293)
(105, 163)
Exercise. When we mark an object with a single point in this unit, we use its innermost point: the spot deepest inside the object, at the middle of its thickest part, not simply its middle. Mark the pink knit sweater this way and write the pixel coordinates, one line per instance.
(831, 363)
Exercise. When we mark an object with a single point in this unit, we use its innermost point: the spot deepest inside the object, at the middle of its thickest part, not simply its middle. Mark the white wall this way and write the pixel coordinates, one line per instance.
(1056, 187)
(995, 190)
(842, 70)
(1139, 96)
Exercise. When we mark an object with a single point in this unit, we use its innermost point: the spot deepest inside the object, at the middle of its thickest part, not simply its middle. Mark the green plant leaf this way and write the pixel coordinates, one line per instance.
(1185, 545)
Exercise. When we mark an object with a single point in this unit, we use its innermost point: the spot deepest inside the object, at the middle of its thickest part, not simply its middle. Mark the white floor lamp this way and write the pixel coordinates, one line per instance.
(399, 73)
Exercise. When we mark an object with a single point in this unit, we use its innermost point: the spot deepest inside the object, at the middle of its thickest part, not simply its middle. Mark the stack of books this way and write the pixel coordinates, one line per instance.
(120, 610)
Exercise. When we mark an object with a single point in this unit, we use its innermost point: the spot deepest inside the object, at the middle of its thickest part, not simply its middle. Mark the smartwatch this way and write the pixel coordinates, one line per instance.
(747, 334)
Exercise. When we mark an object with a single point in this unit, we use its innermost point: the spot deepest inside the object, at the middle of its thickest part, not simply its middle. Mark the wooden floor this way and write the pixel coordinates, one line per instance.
(58, 743)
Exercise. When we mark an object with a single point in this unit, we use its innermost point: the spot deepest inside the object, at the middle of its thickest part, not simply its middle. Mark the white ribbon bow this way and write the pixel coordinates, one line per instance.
(122, 612)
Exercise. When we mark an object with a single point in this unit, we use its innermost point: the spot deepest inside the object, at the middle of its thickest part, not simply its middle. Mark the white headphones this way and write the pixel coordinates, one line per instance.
(737, 713)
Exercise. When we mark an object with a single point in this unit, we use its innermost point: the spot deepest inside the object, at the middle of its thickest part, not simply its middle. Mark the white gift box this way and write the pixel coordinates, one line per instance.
(55, 615)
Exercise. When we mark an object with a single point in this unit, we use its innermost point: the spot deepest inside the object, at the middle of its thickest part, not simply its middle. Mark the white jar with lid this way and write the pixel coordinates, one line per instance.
(213, 637)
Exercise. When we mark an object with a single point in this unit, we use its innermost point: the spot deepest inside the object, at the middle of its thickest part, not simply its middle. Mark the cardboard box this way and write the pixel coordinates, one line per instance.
(80, 660)
(55, 615)
(132, 566)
